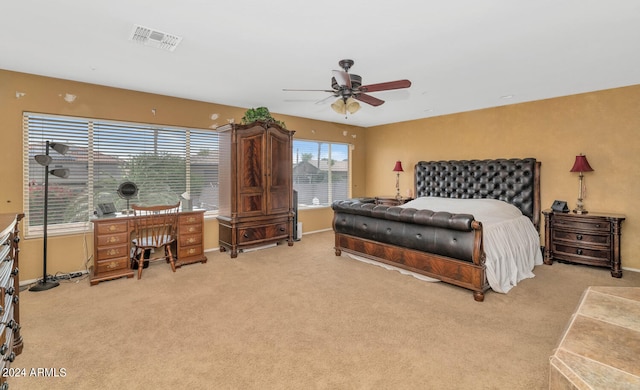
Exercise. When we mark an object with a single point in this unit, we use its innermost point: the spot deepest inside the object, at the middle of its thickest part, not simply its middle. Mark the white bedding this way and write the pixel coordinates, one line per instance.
(511, 242)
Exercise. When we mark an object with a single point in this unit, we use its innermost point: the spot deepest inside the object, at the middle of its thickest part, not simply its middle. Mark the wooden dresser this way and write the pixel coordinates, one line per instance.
(256, 193)
(592, 239)
(112, 244)
(10, 338)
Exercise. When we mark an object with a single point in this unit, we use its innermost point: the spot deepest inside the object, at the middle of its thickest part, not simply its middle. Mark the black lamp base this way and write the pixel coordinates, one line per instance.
(44, 284)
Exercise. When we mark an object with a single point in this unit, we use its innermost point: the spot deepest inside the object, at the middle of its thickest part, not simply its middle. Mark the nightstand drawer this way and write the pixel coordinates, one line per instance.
(561, 251)
(578, 238)
(583, 225)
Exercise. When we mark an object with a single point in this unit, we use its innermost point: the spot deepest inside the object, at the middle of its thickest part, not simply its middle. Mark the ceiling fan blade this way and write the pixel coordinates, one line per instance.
(309, 90)
(322, 101)
(398, 84)
(342, 78)
(368, 99)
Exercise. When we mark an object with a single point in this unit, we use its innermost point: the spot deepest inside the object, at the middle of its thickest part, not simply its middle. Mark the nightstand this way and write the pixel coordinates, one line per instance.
(391, 200)
(592, 239)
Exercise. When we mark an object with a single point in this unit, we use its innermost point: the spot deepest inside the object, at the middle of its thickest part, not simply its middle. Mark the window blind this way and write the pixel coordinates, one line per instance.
(321, 172)
(164, 162)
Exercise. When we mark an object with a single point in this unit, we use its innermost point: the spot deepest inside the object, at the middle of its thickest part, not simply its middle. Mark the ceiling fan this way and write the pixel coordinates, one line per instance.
(348, 88)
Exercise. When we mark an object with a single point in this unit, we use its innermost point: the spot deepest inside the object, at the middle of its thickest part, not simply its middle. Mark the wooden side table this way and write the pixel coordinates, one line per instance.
(391, 200)
(592, 239)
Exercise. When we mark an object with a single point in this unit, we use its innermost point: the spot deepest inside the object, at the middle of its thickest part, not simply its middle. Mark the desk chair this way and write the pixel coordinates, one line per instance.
(155, 227)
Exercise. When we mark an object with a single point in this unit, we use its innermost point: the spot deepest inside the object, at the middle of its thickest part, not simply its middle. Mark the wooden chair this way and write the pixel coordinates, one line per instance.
(155, 227)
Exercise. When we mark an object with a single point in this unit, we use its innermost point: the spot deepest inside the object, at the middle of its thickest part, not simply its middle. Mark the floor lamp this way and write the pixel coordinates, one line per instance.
(45, 160)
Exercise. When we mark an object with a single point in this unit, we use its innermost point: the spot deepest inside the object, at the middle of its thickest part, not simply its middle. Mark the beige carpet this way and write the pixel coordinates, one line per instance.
(297, 318)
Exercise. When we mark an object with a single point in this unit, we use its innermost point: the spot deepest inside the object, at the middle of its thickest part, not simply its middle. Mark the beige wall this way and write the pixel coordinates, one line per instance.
(45, 95)
(603, 125)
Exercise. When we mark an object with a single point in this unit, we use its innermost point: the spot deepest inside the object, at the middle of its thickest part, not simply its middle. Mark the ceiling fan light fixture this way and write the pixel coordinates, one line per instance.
(339, 106)
(352, 105)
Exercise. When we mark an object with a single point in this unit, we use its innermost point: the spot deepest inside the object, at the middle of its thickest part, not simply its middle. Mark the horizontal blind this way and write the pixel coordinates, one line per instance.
(164, 162)
(321, 173)
(68, 197)
(152, 158)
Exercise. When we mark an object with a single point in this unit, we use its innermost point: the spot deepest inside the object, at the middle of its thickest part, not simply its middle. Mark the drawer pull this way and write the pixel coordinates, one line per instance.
(598, 225)
(579, 251)
(11, 357)
(579, 237)
(282, 229)
(245, 235)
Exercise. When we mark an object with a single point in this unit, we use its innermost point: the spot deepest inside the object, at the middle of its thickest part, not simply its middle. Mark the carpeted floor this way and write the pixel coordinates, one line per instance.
(297, 318)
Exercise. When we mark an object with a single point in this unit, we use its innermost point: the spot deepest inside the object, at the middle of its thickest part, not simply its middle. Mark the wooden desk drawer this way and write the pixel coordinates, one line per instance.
(189, 229)
(190, 239)
(190, 219)
(112, 227)
(189, 251)
(112, 264)
(111, 252)
(113, 239)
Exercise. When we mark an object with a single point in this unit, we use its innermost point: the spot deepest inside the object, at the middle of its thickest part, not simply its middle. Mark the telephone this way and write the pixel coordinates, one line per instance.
(560, 206)
(106, 208)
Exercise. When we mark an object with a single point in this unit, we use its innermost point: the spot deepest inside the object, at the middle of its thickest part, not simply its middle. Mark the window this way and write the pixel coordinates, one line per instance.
(164, 162)
(320, 172)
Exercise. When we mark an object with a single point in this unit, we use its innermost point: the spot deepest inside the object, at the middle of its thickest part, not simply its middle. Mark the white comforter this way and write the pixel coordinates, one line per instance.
(511, 242)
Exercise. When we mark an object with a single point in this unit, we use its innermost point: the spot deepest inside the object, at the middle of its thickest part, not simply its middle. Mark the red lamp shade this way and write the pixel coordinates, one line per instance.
(398, 167)
(581, 164)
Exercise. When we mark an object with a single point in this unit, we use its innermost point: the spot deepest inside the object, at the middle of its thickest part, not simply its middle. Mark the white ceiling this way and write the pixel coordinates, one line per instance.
(460, 55)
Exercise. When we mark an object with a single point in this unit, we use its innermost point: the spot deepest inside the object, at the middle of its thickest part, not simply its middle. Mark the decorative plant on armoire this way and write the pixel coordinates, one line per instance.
(260, 114)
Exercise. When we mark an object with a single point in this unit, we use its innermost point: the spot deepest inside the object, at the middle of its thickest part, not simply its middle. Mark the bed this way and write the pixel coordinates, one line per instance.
(474, 224)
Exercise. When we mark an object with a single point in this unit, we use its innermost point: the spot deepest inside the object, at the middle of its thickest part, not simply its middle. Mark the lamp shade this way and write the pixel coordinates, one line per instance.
(60, 172)
(581, 164)
(339, 106)
(43, 159)
(352, 105)
(398, 167)
(58, 147)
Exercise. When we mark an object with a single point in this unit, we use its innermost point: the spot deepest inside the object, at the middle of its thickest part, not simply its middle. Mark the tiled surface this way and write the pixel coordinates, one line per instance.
(600, 348)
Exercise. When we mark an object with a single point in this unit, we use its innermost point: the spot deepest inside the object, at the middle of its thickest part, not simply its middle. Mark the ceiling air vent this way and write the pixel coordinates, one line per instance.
(154, 38)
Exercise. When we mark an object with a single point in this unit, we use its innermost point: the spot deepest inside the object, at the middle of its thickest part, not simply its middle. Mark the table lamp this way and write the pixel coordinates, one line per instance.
(581, 165)
(397, 169)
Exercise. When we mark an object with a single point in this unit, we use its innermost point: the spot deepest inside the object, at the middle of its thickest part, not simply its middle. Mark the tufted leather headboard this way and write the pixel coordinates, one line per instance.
(516, 181)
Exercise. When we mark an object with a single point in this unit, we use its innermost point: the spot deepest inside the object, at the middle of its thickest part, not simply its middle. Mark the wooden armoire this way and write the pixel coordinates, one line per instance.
(256, 194)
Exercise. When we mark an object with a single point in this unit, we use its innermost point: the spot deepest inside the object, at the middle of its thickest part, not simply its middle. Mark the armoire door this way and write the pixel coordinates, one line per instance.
(251, 172)
(279, 163)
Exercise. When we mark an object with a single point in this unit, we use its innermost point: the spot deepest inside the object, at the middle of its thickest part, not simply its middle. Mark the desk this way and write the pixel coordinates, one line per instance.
(112, 244)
